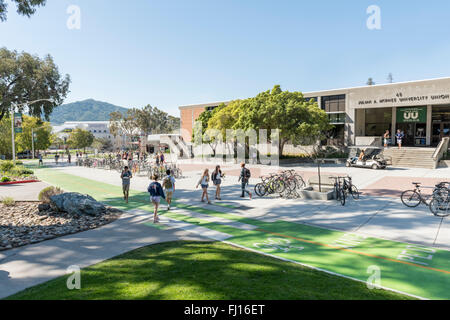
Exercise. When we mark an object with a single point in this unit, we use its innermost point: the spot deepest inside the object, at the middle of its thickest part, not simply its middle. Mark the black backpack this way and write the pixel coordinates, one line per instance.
(247, 174)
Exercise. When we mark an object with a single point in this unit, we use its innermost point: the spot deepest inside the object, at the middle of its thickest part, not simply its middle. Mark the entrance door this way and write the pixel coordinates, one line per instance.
(440, 130)
(409, 131)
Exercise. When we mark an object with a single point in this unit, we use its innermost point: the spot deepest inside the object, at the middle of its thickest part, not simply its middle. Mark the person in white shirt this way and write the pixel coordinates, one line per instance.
(169, 187)
(204, 182)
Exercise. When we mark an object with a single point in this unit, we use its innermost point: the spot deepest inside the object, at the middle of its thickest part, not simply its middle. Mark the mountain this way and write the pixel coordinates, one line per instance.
(87, 110)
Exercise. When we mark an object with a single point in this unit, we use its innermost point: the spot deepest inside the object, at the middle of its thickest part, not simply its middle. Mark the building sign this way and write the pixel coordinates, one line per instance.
(18, 122)
(413, 94)
(400, 98)
(412, 115)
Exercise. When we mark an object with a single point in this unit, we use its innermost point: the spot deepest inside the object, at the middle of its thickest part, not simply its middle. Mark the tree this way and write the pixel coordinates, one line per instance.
(102, 144)
(26, 78)
(370, 82)
(5, 137)
(289, 112)
(24, 7)
(43, 134)
(126, 125)
(206, 136)
(80, 139)
(390, 78)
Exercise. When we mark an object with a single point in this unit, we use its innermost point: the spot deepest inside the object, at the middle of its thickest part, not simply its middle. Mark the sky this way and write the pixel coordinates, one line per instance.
(179, 52)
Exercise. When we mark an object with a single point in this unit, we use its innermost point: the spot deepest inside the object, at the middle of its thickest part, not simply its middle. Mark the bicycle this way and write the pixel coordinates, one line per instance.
(413, 198)
(338, 190)
(350, 188)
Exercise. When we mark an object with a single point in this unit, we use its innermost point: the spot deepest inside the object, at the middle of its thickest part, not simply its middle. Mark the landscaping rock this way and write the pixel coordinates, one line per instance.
(76, 203)
(24, 224)
(43, 207)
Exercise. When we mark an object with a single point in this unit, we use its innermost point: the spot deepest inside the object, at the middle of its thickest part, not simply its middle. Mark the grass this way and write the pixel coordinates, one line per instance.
(8, 201)
(188, 270)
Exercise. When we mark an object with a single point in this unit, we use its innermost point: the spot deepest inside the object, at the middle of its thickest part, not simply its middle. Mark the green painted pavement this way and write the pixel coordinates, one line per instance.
(413, 269)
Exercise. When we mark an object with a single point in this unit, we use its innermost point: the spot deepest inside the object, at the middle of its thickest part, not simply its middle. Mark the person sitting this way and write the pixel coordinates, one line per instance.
(361, 156)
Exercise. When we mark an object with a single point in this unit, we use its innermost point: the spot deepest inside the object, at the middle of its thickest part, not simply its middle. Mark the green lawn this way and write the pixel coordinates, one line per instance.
(202, 270)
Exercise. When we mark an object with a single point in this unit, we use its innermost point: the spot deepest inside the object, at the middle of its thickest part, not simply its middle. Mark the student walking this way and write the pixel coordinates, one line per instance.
(162, 158)
(204, 182)
(41, 162)
(126, 176)
(244, 178)
(156, 192)
(169, 187)
(216, 178)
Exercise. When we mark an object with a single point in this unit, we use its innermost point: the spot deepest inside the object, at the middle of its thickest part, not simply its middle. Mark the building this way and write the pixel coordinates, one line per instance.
(361, 115)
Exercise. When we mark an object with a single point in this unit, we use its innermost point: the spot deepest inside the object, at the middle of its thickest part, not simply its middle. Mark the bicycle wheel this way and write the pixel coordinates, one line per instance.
(440, 207)
(354, 192)
(260, 190)
(342, 196)
(411, 198)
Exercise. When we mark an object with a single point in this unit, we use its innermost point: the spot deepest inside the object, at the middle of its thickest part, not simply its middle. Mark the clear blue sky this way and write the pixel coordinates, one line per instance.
(179, 52)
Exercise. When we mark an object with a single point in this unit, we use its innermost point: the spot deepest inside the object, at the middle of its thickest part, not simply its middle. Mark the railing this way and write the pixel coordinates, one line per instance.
(440, 150)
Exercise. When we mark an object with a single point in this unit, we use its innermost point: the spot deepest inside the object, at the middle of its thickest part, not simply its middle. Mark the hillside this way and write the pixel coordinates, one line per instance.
(87, 110)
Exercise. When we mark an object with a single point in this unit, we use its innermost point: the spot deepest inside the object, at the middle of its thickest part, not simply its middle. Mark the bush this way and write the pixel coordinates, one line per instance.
(5, 179)
(26, 172)
(6, 165)
(8, 201)
(46, 193)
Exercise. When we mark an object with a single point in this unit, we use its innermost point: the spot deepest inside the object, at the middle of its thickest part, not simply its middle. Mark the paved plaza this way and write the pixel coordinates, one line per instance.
(344, 240)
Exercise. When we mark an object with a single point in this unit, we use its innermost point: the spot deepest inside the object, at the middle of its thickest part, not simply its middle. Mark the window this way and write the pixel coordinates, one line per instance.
(314, 99)
(378, 120)
(337, 118)
(211, 108)
(333, 103)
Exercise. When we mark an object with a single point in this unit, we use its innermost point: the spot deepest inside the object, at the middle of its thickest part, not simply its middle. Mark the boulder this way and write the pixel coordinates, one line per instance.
(76, 203)
(42, 207)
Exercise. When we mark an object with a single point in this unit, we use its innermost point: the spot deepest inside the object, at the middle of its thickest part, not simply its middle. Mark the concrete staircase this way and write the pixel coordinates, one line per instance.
(410, 157)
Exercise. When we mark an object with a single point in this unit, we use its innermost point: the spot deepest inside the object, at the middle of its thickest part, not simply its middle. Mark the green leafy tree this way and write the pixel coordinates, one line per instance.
(296, 118)
(43, 134)
(5, 137)
(370, 82)
(80, 139)
(24, 7)
(25, 78)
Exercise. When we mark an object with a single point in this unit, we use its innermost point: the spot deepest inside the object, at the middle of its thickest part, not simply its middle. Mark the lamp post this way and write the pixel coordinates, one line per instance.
(15, 106)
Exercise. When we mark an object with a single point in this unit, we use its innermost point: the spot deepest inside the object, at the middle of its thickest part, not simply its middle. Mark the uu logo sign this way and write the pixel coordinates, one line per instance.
(411, 115)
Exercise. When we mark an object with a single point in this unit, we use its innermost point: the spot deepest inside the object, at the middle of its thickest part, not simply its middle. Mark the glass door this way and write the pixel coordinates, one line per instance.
(409, 129)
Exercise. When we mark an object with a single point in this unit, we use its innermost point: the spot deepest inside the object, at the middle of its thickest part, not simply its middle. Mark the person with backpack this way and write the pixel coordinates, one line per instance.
(204, 182)
(156, 193)
(169, 187)
(216, 178)
(244, 178)
(126, 175)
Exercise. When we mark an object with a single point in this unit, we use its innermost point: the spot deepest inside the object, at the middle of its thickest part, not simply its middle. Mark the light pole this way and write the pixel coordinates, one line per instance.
(15, 106)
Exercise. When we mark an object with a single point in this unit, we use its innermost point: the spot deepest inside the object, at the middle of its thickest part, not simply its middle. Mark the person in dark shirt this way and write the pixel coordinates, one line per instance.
(156, 193)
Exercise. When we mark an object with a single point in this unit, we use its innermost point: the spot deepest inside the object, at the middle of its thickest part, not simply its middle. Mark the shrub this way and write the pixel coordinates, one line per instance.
(5, 179)
(46, 193)
(8, 201)
(26, 172)
(6, 165)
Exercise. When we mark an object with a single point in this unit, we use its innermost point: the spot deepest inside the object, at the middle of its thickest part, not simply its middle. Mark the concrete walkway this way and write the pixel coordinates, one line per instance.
(23, 191)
